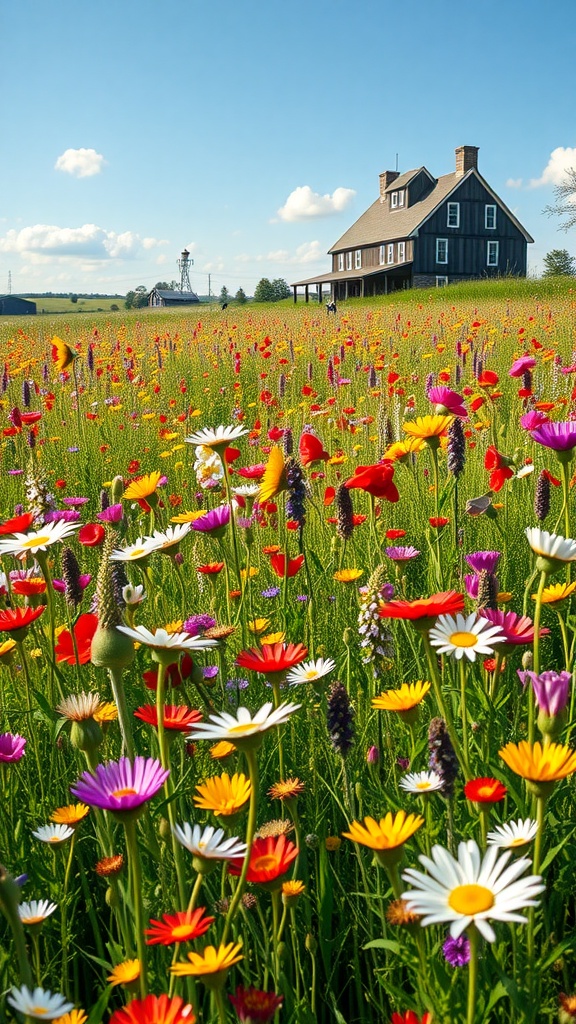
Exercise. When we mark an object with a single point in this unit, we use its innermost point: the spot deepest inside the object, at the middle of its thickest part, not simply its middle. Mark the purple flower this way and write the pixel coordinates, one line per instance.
(402, 554)
(197, 624)
(386, 592)
(122, 785)
(471, 583)
(62, 516)
(237, 684)
(60, 586)
(519, 367)
(561, 437)
(74, 448)
(533, 419)
(457, 951)
(75, 501)
(15, 472)
(483, 561)
(551, 690)
(112, 514)
(11, 747)
(215, 520)
(447, 402)
(403, 763)
(372, 755)
(271, 592)
(210, 671)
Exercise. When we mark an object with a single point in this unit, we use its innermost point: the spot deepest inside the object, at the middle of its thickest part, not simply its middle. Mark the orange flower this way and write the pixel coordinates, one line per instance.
(445, 603)
(278, 564)
(272, 658)
(269, 860)
(180, 927)
(154, 1010)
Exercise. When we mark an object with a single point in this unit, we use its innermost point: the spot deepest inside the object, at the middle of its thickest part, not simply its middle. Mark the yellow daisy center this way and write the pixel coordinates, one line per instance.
(136, 552)
(423, 785)
(243, 727)
(312, 673)
(35, 541)
(463, 639)
(37, 1011)
(32, 920)
(181, 931)
(265, 863)
(127, 791)
(519, 841)
(471, 899)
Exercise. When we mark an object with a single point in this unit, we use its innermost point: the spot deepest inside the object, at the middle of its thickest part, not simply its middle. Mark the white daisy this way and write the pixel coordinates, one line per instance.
(141, 548)
(551, 545)
(209, 842)
(460, 635)
(524, 471)
(160, 639)
(53, 833)
(226, 727)
(310, 671)
(39, 1003)
(471, 890)
(171, 537)
(218, 438)
(36, 911)
(30, 543)
(513, 835)
(247, 490)
(133, 595)
(420, 783)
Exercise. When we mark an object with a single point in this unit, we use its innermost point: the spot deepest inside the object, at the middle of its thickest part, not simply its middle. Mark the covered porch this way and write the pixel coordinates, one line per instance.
(356, 284)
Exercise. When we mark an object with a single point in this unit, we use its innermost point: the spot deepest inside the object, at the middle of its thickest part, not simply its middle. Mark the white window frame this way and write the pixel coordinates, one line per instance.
(441, 242)
(492, 253)
(441, 280)
(401, 198)
(358, 259)
(390, 253)
(382, 255)
(453, 215)
(340, 261)
(490, 207)
(349, 261)
(401, 252)
(394, 200)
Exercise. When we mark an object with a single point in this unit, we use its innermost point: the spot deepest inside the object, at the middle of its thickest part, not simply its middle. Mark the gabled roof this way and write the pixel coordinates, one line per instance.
(174, 296)
(404, 179)
(381, 224)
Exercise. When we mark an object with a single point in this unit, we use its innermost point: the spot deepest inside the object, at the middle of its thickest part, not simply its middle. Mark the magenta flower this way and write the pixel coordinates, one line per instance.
(471, 581)
(517, 629)
(533, 419)
(122, 785)
(520, 366)
(84, 580)
(483, 561)
(551, 690)
(11, 747)
(112, 514)
(64, 515)
(217, 519)
(561, 437)
(75, 501)
(402, 554)
(447, 402)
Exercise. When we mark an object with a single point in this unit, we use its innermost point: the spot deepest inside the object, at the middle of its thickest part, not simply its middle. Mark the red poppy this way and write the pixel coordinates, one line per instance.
(499, 466)
(84, 630)
(311, 450)
(375, 480)
(184, 926)
(254, 1005)
(231, 454)
(329, 495)
(395, 534)
(14, 619)
(269, 859)
(252, 472)
(278, 564)
(275, 433)
(409, 1017)
(437, 522)
(176, 673)
(92, 535)
(28, 418)
(444, 603)
(18, 524)
(210, 569)
(488, 378)
(485, 791)
(271, 658)
(177, 717)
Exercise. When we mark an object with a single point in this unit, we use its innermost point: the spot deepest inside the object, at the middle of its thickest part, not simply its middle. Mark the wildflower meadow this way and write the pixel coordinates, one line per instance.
(287, 639)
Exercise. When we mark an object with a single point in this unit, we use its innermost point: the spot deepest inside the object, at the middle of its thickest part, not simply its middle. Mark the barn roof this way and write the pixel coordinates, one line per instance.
(175, 296)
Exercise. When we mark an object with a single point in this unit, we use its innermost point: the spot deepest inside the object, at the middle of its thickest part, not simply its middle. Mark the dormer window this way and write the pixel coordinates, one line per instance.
(401, 198)
(453, 215)
(397, 199)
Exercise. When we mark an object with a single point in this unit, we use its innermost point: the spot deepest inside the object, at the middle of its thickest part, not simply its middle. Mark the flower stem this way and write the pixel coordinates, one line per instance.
(473, 936)
(137, 902)
(250, 756)
(124, 720)
(537, 613)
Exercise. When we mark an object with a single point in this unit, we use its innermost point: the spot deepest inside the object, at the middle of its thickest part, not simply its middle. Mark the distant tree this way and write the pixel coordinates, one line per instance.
(565, 205)
(240, 297)
(224, 295)
(264, 291)
(559, 263)
(163, 285)
(73, 297)
(114, 307)
(129, 299)
(281, 289)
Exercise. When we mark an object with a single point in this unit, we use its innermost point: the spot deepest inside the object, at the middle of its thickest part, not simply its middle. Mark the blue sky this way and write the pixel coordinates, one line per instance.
(253, 131)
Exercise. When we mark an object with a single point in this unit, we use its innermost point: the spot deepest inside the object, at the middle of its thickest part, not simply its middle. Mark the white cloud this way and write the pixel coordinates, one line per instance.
(562, 159)
(80, 163)
(304, 204)
(40, 242)
(308, 252)
(514, 182)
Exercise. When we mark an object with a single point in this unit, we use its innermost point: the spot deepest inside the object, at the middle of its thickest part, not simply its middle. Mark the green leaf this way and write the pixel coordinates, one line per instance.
(393, 947)
(97, 1011)
(44, 705)
(554, 853)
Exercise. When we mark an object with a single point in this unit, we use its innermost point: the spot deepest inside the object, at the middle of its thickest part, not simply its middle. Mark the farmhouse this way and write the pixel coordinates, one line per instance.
(425, 232)
(13, 305)
(167, 297)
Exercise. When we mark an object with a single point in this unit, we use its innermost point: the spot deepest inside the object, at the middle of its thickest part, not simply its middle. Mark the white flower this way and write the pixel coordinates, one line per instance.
(460, 635)
(30, 543)
(39, 1003)
(421, 782)
(141, 548)
(220, 437)
(172, 536)
(551, 545)
(77, 707)
(53, 833)
(227, 727)
(36, 911)
(513, 834)
(133, 595)
(208, 467)
(310, 671)
(160, 639)
(524, 471)
(471, 890)
(247, 490)
(209, 843)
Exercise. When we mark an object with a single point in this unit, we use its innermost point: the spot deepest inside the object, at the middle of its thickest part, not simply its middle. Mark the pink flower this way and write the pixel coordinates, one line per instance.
(520, 366)
(447, 402)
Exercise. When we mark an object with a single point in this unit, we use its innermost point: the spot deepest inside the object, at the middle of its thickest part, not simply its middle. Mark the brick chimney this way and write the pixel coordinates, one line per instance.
(386, 179)
(466, 159)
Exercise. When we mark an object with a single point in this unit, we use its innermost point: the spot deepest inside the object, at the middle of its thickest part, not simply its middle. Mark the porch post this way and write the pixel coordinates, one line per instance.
(306, 291)
(294, 289)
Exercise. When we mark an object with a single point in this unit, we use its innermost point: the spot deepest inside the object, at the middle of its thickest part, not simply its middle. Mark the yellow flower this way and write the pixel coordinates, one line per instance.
(387, 834)
(188, 517)
(426, 427)
(556, 592)
(337, 460)
(142, 488)
(538, 763)
(348, 575)
(70, 815)
(107, 712)
(249, 573)
(273, 638)
(291, 892)
(503, 596)
(175, 626)
(74, 1017)
(223, 795)
(401, 450)
(211, 961)
(221, 750)
(274, 479)
(407, 697)
(258, 626)
(6, 647)
(125, 973)
(62, 354)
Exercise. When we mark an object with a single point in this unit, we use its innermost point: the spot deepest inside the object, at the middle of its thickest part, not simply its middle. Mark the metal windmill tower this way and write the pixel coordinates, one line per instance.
(184, 264)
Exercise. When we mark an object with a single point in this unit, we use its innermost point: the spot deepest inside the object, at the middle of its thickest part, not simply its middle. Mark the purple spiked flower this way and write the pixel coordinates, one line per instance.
(215, 520)
(561, 437)
(121, 786)
(197, 624)
(483, 560)
(11, 747)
